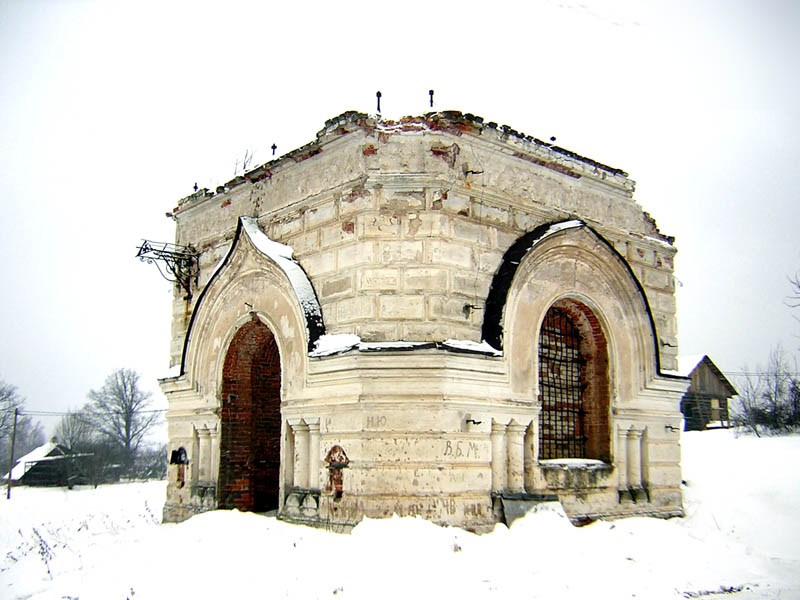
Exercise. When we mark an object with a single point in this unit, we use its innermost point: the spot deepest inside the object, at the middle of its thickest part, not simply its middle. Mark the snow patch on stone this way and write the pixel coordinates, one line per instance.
(659, 242)
(334, 343)
(338, 343)
(398, 345)
(562, 226)
(481, 347)
(283, 257)
(261, 241)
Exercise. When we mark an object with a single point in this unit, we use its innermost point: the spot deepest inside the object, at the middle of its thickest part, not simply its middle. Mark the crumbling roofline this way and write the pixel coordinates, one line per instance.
(460, 123)
(450, 121)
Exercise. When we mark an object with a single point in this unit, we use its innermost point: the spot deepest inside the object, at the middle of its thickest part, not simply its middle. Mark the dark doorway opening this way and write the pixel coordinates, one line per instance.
(250, 436)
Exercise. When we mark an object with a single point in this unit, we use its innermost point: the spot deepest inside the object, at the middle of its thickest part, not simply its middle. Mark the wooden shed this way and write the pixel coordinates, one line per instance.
(50, 464)
(705, 403)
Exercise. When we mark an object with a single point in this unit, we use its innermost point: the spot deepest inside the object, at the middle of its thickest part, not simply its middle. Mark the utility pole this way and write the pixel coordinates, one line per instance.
(11, 457)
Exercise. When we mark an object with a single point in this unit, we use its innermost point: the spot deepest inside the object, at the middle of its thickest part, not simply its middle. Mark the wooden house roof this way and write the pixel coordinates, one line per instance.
(691, 366)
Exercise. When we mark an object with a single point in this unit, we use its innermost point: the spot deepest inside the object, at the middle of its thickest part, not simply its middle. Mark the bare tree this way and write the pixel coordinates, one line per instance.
(120, 412)
(777, 383)
(76, 431)
(151, 463)
(99, 454)
(750, 387)
(9, 400)
(770, 398)
(29, 433)
(248, 157)
(794, 298)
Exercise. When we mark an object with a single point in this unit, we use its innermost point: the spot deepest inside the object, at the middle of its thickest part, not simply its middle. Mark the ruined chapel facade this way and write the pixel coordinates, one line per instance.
(438, 317)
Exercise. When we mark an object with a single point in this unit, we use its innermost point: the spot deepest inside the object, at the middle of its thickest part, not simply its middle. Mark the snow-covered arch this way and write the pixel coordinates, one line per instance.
(258, 278)
(562, 261)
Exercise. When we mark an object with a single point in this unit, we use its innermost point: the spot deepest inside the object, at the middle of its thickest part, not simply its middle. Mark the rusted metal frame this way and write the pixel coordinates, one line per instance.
(180, 262)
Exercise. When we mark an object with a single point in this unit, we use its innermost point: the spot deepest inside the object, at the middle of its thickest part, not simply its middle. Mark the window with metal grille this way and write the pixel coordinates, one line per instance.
(561, 386)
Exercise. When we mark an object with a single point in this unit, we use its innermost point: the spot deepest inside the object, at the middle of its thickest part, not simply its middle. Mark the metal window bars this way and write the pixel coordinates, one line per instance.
(561, 387)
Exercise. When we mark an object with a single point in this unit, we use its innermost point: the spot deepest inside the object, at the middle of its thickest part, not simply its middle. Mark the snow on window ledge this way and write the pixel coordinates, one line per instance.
(574, 463)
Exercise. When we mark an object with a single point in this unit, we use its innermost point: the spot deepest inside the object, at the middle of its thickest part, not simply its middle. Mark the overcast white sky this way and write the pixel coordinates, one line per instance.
(110, 111)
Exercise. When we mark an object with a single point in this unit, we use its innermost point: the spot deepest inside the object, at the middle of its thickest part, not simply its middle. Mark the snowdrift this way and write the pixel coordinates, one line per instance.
(739, 539)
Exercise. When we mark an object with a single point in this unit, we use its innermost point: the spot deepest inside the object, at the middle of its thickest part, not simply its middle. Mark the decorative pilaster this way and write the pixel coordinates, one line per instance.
(313, 456)
(214, 435)
(644, 455)
(194, 461)
(204, 458)
(622, 459)
(515, 434)
(499, 457)
(531, 451)
(635, 458)
(301, 455)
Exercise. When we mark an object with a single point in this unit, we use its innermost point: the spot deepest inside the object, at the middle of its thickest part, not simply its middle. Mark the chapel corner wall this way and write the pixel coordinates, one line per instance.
(395, 252)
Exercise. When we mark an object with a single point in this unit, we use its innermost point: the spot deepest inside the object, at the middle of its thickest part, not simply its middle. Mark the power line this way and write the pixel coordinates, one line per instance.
(53, 413)
(758, 373)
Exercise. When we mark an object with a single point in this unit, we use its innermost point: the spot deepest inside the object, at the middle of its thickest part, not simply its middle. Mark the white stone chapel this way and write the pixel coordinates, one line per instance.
(436, 316)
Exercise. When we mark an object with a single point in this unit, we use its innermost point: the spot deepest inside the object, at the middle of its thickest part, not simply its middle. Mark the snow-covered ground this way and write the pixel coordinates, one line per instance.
(740, 538)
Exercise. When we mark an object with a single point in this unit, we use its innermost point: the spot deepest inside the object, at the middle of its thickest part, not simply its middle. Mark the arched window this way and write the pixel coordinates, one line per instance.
(573, 384)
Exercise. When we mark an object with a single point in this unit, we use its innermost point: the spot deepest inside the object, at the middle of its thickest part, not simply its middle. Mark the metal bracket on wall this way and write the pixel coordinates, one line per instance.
(180, 262)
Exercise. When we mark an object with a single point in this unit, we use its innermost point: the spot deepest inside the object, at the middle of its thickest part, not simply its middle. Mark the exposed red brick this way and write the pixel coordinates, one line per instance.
(448, 154)
(306, 153)
(251, 421)
(594, 397)
(357, 192)
(548, 165)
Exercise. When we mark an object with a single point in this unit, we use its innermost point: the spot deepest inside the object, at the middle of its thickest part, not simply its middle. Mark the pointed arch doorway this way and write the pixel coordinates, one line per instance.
(250, 436)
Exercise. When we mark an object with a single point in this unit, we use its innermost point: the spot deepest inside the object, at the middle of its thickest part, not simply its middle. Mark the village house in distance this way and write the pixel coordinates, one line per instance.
(705, 403)
(436, 316)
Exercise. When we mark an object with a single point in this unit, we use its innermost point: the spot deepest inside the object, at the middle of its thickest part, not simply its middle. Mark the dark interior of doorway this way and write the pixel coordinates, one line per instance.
(249, 466)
